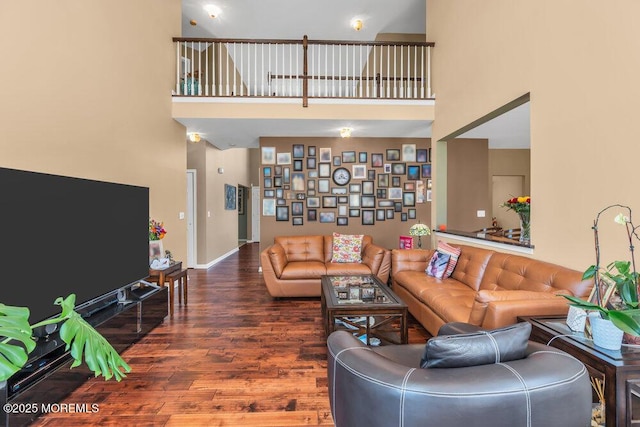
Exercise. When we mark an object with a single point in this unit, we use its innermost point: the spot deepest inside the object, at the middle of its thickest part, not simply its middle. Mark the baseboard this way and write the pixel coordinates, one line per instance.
(215, 261)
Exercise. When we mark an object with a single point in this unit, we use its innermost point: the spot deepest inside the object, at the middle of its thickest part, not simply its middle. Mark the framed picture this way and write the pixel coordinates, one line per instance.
(395, 193)
(282, 213)
(266, 171)
(311, 150)
(230, 197)
(156, 250)
(313, 202)
(354, 188)
(397, 206)
(390, 213)
(429, 184)
(283, 158)
(413, 172)
(311, 184)
(325, 154)
(338, 190)
(426, 171)
(280, 202)
(300, 196)
(398, 168)
(268, 182)
(354, 200)
(297, 220)
(286, 175)
(381, 193)
(386, 203)
(421, 192)
(324, 170)
(327, 217)
(377, 160)
(279, 193)
(277, 181)
(383, 180)
(371, 175)
(359, 171)
(296, 209)
(298, 151)
(312, 215)
(381, 215)
(349, 156)
(342, 210)
(411, 213)
(408, 152)
(368, 217)
(343, 220)
(387, 168)
(297, 165)
(268, 155)
(421, 155)
(409, 198)
(268, 207)
(367, 187)
(409, 186)
(337, 161)
(343, 199)
(393, 154)
(323, 186)
(403, 217)
(297, 182)
(428, 195)
(269, 194)
(312, 173)
(362, 157)
(329, 201)
(395, 181)
(368, 201)
(311, 162)
(354, 212)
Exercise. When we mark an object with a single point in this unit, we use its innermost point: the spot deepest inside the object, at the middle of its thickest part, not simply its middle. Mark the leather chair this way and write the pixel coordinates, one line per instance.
(385, 386)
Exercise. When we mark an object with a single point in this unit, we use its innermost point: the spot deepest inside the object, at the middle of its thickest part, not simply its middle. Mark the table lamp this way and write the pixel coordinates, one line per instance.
(419, 230)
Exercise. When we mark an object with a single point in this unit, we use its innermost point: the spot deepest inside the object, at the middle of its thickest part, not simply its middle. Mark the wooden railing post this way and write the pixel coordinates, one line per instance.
(305, 72)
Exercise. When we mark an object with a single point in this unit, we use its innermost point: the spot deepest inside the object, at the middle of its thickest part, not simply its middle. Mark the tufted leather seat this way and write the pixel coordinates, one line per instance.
(384, 386)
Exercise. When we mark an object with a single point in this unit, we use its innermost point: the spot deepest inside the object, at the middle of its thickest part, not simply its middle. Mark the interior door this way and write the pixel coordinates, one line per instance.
(504, 188)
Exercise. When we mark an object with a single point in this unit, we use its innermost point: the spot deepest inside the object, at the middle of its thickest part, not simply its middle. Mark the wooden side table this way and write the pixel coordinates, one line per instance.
(160, 276)
(620, 369)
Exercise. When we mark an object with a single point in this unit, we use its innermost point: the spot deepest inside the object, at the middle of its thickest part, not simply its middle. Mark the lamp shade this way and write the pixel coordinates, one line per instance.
(419, 229)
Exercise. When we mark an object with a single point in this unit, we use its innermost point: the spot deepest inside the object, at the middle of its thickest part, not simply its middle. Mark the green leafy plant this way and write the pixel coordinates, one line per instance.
(622, 275)
(83, 341)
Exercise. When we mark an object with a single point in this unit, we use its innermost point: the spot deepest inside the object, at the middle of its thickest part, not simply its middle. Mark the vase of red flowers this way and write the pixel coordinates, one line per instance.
(522, 206)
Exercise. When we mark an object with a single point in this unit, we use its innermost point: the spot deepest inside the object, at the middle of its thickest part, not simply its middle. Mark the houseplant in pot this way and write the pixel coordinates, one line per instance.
(619, 276)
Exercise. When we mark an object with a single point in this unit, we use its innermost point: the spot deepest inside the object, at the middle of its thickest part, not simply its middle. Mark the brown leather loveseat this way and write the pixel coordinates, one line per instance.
(488, 289)
(292, 266)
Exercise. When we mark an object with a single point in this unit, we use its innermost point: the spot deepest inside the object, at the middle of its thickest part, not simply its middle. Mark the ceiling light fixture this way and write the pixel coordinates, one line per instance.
(194, 137)
(356, 24)
(212, 10)
(345, 132)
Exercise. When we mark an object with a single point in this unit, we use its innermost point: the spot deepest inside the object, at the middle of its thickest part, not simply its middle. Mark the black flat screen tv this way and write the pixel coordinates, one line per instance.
(61, 235)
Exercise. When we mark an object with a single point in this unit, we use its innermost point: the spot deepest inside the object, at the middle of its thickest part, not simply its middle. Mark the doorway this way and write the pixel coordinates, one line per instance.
(242, 215)
(191, 225)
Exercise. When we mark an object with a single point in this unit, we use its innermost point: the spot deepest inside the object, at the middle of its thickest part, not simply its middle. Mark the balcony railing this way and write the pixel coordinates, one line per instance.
(303, 69)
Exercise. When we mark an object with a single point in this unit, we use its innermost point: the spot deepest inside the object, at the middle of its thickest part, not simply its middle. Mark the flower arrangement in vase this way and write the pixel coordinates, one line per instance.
(156, 230)
(620, 277)
(522, 206)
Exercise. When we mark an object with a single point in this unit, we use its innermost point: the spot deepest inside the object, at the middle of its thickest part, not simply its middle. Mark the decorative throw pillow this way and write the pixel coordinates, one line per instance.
(347, 247)
(477, 348)
(438, 264)
(454, 254)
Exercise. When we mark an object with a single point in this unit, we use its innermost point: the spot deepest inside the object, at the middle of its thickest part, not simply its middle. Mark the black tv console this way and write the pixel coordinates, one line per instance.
(46, 378)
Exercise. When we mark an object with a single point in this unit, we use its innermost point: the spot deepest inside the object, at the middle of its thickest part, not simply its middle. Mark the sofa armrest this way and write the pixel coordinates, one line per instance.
(278, 258)
(494, 309)
(409, 259)
(378, 260)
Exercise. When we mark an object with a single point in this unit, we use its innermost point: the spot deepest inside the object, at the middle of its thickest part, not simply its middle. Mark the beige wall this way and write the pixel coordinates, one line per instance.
(86, 94)
(217, 227)
(577, 59)
(385, 233)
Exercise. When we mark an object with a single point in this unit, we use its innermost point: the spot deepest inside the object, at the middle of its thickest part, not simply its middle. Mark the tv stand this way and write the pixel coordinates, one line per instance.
(46, 378)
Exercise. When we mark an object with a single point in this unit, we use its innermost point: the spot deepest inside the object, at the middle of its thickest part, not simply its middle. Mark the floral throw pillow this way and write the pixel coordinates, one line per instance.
(347, 247)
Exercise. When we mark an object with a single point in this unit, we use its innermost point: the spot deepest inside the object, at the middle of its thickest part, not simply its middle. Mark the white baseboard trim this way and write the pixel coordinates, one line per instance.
(215, 261)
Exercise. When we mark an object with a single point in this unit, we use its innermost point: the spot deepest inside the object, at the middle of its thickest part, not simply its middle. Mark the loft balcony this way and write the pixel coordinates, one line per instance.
(223, 79)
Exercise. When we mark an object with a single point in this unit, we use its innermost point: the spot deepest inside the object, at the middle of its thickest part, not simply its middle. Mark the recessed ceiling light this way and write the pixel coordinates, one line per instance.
(345, 132)
(356, 24)
(212, 10)
(194, 137)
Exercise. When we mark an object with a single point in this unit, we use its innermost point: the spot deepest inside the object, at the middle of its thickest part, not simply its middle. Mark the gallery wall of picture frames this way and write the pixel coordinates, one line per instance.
(320, 184)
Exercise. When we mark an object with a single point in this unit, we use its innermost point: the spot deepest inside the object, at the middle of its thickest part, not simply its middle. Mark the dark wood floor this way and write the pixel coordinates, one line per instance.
(233, 357)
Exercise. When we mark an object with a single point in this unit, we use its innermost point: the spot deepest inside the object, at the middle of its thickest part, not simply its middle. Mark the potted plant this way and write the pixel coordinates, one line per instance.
(17, 341)
(622, 309)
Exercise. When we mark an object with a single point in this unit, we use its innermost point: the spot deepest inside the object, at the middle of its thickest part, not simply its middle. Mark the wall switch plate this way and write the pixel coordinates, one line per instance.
(181, 215)
(481, 214)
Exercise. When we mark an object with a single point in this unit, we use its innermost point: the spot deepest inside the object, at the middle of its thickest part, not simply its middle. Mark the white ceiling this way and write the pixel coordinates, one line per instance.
(322, 20)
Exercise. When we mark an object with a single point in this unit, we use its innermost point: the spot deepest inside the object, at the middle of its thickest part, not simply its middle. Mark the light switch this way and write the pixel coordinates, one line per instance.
(181, 215)
(481, 214)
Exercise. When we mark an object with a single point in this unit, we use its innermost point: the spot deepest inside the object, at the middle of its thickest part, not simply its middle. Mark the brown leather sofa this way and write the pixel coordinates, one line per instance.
(487, 288)
(292, 266)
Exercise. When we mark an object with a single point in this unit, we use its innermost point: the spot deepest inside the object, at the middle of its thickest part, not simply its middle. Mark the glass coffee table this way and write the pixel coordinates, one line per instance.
(365, 306)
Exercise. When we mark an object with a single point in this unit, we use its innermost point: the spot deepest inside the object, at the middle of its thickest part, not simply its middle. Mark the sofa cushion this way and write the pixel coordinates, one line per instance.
(347, 248)
(454, 254)
(478, 348)
(438, 264)
(347, 268)
(303, 270)
(302, 248)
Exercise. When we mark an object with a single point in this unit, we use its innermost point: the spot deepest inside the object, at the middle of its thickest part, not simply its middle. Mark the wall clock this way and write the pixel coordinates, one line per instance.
(341, 176)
